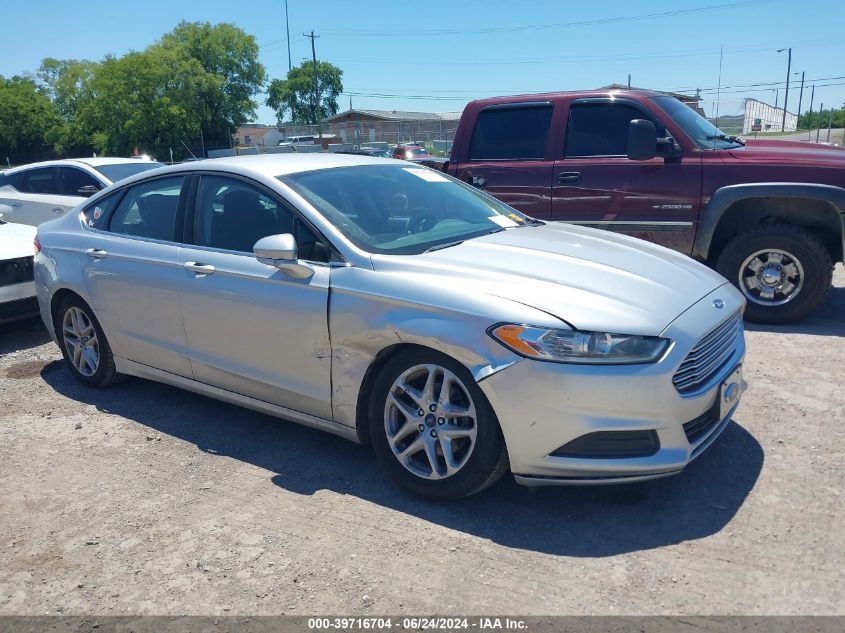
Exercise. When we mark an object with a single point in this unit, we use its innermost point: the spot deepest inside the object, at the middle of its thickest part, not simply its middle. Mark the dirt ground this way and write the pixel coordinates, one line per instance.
(144, 499)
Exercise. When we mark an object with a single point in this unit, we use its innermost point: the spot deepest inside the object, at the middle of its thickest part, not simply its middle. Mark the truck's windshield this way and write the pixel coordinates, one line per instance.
(704, 134)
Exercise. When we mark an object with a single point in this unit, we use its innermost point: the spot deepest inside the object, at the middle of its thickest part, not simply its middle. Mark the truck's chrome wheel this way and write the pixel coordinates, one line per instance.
(771, 277)
(81, 343)
(430, 421)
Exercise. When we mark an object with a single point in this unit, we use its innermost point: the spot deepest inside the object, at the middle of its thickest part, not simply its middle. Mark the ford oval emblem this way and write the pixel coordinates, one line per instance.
(718, 304)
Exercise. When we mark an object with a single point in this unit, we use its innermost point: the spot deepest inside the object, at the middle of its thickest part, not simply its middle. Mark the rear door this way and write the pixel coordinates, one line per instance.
(511, 155)
(251, 328)
(596, 184)
(132, 271)
(34, 199)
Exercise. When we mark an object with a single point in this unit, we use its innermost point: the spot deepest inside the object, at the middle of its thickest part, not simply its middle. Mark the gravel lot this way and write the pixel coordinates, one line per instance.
(144, 499)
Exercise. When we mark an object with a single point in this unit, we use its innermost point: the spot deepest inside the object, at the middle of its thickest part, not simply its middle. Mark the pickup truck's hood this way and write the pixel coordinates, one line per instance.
(592, 279)
(796, 153)
(16, 240)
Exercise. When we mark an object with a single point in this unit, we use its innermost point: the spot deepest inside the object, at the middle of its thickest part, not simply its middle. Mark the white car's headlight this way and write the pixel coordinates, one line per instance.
(573, 346)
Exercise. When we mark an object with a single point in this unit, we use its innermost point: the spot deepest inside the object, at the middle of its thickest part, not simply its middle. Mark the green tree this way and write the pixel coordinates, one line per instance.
(67, 84)
(295, 94)
(27, 117)
(226, 79)
(140, 101)
(819, 119)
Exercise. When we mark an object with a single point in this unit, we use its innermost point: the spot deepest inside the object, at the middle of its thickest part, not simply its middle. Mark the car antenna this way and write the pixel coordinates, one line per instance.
(186, 147)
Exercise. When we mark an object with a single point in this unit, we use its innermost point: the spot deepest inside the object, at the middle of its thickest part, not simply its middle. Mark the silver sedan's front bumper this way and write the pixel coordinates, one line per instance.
(544, 406)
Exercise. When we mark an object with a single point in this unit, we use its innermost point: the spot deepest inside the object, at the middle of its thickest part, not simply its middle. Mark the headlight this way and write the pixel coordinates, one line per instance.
(573, 346)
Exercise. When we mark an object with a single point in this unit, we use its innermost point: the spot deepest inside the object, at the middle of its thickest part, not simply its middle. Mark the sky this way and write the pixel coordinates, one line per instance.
(434, 56)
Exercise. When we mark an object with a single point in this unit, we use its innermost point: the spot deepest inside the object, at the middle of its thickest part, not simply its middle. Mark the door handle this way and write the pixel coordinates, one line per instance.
(16, 204)
(475, 181)
(569, 178)
(96, 253)
(198, 268)
(58, 210)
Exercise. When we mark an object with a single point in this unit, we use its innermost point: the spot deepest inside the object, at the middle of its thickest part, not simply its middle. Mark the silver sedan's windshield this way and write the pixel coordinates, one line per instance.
(402, 209)
(703, 133)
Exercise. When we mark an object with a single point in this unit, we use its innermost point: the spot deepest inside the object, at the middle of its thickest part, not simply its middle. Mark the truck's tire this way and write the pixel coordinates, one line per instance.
(783, 270)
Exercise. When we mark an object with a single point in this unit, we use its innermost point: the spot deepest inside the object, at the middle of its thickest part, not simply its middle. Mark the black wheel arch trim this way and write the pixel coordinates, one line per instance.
(725, 197)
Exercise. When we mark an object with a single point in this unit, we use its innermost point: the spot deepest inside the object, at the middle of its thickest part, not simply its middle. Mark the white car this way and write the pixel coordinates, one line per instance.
(35, 193)
(17, 290)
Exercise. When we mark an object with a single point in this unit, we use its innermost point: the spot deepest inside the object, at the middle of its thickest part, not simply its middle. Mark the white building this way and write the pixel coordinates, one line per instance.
(761, 117)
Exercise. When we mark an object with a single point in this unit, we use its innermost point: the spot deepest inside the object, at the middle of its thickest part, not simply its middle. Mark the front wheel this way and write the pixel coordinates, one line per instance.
(784, 271)
(433, 429)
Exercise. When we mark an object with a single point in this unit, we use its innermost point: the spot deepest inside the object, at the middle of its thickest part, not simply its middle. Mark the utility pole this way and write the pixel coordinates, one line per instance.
(316, 111)
(786, 96)
(819, 121)
(287, 29)
(800, 97)
(829, 122)
(810, 116)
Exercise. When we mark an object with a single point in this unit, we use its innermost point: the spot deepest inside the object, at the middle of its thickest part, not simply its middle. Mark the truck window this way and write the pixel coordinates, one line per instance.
(519, 133)
(601, 129)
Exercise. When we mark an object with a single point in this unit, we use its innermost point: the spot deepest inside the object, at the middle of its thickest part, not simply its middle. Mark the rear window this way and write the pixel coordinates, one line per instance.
(518, 133)
(40, 180)
(119, 171)
(11, 180)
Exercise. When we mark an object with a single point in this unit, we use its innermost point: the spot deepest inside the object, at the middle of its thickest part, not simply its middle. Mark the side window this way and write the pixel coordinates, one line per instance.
(98, 214)
(234, 215)
(149, 209)
(511, 133)
(600, 129)
(71, 180)
(40, 180)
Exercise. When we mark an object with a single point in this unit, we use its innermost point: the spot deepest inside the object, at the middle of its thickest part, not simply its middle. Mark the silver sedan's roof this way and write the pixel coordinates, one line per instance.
(273, 165)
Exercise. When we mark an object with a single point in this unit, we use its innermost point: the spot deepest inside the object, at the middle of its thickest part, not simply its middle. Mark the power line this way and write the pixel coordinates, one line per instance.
(550, 27)
(662, 54)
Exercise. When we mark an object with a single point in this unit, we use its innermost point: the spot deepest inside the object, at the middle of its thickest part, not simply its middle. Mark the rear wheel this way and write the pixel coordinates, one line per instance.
(784, 271)
(84, 345)
(433, 429)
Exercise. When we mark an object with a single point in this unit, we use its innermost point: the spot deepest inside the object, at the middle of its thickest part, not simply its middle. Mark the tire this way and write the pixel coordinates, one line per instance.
(778, 249)
(474, 441)
(75, 323)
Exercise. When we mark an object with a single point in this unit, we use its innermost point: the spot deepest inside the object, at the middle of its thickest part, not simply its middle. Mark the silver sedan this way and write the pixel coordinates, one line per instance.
(393, 305)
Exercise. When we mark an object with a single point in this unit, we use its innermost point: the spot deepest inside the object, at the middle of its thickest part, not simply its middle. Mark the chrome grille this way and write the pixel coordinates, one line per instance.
(709, 356)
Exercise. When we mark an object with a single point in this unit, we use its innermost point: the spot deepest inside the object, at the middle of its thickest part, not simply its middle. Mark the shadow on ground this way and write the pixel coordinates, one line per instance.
(586, 521)
(828, 320)
(22, 335)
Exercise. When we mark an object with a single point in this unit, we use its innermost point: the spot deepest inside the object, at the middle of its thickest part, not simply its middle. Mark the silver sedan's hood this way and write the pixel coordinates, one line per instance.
(592, 279)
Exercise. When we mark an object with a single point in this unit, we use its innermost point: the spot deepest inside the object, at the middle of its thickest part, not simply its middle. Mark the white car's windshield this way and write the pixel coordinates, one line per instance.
(119, 171)
(401, 209)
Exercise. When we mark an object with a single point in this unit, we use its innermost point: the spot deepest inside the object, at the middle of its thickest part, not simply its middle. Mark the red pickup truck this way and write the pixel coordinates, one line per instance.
(767, 214)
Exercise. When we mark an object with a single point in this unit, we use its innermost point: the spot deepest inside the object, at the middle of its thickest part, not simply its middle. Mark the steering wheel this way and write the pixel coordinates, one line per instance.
(421, 220)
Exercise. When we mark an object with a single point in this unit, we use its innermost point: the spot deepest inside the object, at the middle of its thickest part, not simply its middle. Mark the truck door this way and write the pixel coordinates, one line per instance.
(511, 155)
(596, 184)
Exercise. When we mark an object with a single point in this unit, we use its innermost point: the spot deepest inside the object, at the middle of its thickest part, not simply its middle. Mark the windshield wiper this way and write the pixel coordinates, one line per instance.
(724, 137)
(442, 246)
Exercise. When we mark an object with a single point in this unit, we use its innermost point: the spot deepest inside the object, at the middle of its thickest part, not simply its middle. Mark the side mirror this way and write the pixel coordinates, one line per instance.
(281, 252)
(642, 140)
(87, 191)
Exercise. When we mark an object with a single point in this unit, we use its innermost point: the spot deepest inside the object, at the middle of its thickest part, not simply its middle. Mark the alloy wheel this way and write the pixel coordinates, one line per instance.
(80, 338)
(771, 277)
(430, 421)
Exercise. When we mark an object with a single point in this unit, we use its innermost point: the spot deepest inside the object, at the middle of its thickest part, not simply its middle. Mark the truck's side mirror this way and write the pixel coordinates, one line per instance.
(642, 140)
